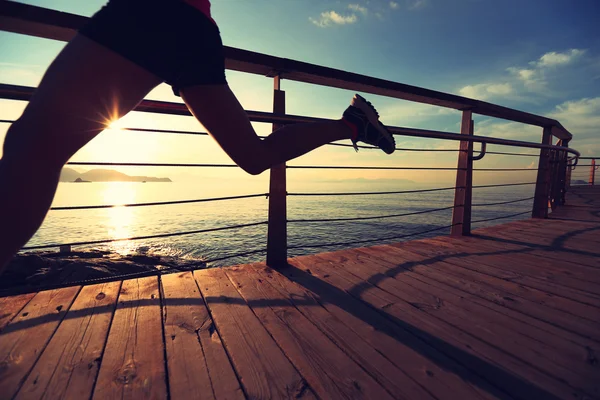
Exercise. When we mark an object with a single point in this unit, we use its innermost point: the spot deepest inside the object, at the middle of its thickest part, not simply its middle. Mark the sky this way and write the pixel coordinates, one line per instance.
(539, 56)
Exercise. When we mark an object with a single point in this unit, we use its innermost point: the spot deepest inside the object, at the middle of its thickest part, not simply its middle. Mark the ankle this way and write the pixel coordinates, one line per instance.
(352, 128)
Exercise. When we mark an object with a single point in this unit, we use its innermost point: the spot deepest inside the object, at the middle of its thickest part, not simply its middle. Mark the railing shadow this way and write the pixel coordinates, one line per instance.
(557, 244)
(110, 308)
(447, 356)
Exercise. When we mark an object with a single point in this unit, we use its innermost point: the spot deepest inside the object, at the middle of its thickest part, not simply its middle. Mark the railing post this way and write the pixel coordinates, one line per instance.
(592, 172)
(569, 172)
(277, 229)
(461, 214)
(563, 174)
(540, 202)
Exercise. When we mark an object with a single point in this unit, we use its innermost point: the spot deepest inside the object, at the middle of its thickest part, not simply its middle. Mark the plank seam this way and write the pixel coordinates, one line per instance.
(163, 315)
(112, 317)
(208, 309)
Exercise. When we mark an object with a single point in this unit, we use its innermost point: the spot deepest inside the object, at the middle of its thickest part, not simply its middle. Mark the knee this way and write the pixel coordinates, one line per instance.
(253, 168)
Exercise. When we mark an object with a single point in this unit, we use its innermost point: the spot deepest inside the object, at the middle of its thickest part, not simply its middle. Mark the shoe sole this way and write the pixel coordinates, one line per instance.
(360, 102)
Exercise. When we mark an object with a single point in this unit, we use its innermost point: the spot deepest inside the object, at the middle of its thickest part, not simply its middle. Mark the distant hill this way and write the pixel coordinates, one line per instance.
(68, 175)
(105, 175)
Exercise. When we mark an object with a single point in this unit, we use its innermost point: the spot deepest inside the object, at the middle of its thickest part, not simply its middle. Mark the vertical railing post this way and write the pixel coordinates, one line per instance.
(562, 174)
(592, 172)
(277, 229)
(569, 172)
(540, 202)
(461, 214)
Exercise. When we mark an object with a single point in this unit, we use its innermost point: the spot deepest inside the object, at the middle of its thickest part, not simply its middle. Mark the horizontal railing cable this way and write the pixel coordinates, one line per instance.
(369, 240)
(124, 164)
(176, 132)
(375, 193)
(368, 167)
(121, 164)
(502, 217)
(502, 202)
(367, 218)
(503, 185)
(512, 154)
(162, 235)
(505, 169)
(159, 203)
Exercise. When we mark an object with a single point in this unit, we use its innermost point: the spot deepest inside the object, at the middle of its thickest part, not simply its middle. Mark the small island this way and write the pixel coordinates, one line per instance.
(104, 175)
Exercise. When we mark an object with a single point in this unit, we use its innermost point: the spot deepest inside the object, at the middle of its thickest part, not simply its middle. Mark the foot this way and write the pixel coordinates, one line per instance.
(362, 117)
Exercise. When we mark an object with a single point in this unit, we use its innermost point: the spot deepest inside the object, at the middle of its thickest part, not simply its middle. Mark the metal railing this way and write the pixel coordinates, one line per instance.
(583, 174)
(555, 162)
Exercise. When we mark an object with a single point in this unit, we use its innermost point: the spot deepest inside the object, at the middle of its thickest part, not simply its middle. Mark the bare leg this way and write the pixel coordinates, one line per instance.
(85, 88)
(217, 108)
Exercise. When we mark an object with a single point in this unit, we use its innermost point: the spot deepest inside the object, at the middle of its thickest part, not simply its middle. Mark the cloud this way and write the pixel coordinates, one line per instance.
(393, 5)
(328, 18)
(416, 4)
(534, 76)
(553, 58)
(358, 8)
(508, 130)
(580, 117)
(403, 113)
(545, 76)
(484, 91)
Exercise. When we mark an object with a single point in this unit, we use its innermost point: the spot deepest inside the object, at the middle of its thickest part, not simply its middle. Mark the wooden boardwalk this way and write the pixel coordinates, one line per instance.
(512, 312)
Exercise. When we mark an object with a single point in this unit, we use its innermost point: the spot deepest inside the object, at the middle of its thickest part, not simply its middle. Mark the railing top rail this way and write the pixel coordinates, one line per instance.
(15, 92)
(52, 24)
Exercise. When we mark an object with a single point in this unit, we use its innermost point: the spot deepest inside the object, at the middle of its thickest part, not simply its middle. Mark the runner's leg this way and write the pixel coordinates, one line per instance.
(86, 87)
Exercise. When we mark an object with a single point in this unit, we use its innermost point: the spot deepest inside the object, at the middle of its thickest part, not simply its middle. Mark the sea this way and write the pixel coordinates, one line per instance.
(307, 234)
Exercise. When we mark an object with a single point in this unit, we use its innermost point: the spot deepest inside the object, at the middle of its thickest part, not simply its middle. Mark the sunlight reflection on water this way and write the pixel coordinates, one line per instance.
(120, 219)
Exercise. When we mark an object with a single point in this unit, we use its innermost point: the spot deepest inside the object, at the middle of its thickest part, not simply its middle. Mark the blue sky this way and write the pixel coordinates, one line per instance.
(538, 56)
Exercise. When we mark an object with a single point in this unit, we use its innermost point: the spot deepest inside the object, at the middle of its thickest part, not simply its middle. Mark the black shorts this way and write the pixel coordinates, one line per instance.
(169, 38)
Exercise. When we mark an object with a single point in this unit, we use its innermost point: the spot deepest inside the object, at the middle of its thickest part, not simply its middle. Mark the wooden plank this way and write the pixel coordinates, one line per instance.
(508, 293)
(578, 256)
(327, 369)
(68, 367)
(504, 268)
(562, 235)
(196, 360)
(491, 327)
(545, 269)
(544, 260)
(10, 307)
(263, 369)
(573, 345)
(497, 367)
(440, 375)
(497, 300)
(26, 336)
(572, 242)
(541, 268)
(133, 364)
